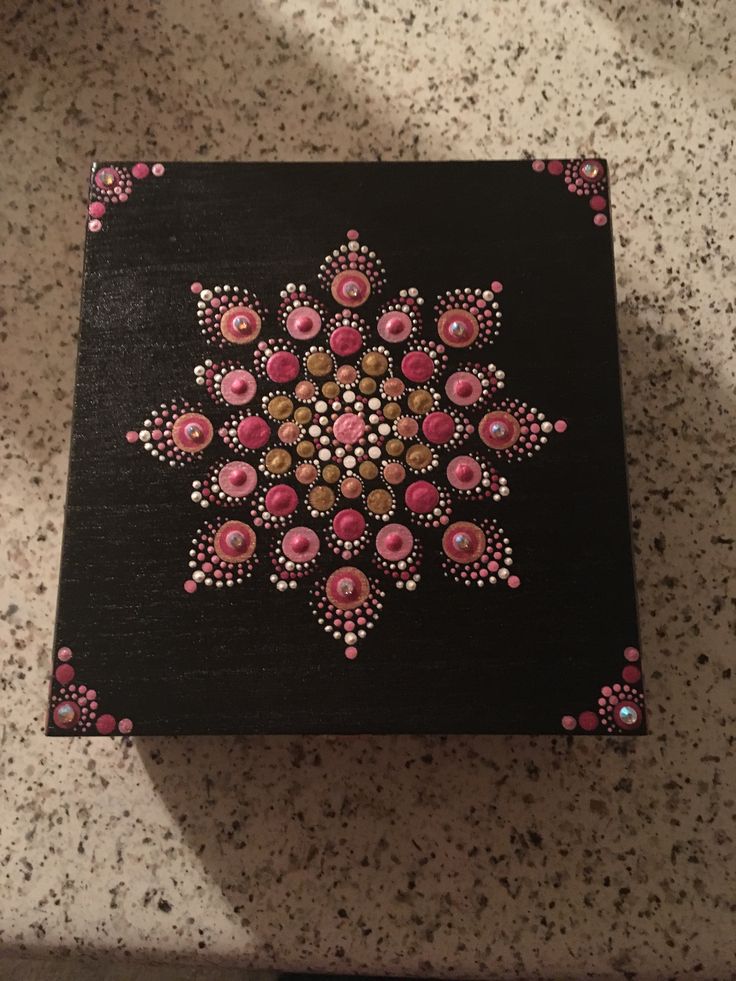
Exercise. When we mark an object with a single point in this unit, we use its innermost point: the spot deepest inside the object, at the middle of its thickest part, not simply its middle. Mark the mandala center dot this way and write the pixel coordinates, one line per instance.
(238, 476)
(348, 428)
(464, 388)
(461, 541)
(499, 430)
(346, 588)
(393, 542)
(238, 386)
(194, 432)
(464, 472)
(457, 328)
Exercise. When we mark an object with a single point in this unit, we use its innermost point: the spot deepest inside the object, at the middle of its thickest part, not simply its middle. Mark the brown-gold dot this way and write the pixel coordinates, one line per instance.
(280, 407)
(420, 401)
(391, 410)
(319, 364)
(368, 470)
(331, 473)
(330, 390)
(418, 456)
(278, 461)
(379, 501)
(367, 386)
(303, 415)
(374, 363)
(305, 449)
(394, 447)
(321, 498)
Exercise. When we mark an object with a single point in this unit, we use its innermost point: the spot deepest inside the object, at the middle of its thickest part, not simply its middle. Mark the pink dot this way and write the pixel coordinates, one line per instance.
(282, 367)
(352, 234)
(560, 426)
(348, 428)
(514, 582)
(253, 432)
(417, 366)
(597, 202)
(125, 726)
(631, 674)
(345, 341)
(496, 286)
(631, 654)
(105, 724)
(196, 287)
(588, 721)
(96, 209)
(568, 722)
(64, 674)
(421, 497)
(351, 653)
(158, 170)
(131, 436)
(555, 167)
(600, 220)
(64, 654)
(94, 225)
(190, 586)
(140, 171)
(538, 166)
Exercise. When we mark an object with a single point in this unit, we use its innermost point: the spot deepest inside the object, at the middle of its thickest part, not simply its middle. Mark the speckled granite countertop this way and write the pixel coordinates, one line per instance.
(483, 857)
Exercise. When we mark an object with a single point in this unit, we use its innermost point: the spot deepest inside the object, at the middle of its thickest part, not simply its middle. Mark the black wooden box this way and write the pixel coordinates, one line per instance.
(347, 455)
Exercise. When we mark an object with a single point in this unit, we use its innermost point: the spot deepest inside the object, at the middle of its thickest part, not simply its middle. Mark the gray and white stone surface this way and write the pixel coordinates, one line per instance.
(458, 857)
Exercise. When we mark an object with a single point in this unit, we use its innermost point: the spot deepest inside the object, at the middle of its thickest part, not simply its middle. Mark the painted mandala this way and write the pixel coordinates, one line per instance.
(340, 440)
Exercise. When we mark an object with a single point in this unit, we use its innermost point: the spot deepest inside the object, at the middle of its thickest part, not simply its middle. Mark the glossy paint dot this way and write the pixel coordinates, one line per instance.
(350, 288)
(282, 367)
(105, 724)
(303, 323)
(417, 366)
(394, 326)
(237, 479)
(238, 387)
(281, 500)
(253, 432)
(421, 497)
(349, 525)
(300, 544)
(345, 341)
(394, 542)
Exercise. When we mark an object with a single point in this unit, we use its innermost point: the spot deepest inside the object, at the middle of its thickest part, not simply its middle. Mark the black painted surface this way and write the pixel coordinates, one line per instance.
(446, 658)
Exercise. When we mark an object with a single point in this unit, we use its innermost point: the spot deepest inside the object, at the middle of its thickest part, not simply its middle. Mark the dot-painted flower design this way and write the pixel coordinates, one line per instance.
(346, 446)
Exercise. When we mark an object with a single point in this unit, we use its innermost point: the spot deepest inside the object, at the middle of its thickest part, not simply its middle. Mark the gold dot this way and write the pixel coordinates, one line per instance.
(379, 501)
(280, 407)
(391, 410)
(374, 363)
(278, 461)
(305, 449)
(331, 473)
(367, 386)
(303, 415)
(418, 456)
(319, 364)
(394, 447)
(420, 401)
(321, 498)
(330, 390)
(368, 470)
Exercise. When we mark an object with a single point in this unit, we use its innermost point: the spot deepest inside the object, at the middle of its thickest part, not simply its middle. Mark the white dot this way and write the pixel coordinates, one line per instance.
(374, 452)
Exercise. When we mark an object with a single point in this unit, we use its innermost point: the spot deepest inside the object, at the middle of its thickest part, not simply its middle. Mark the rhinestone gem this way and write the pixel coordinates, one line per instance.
(628, 715)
